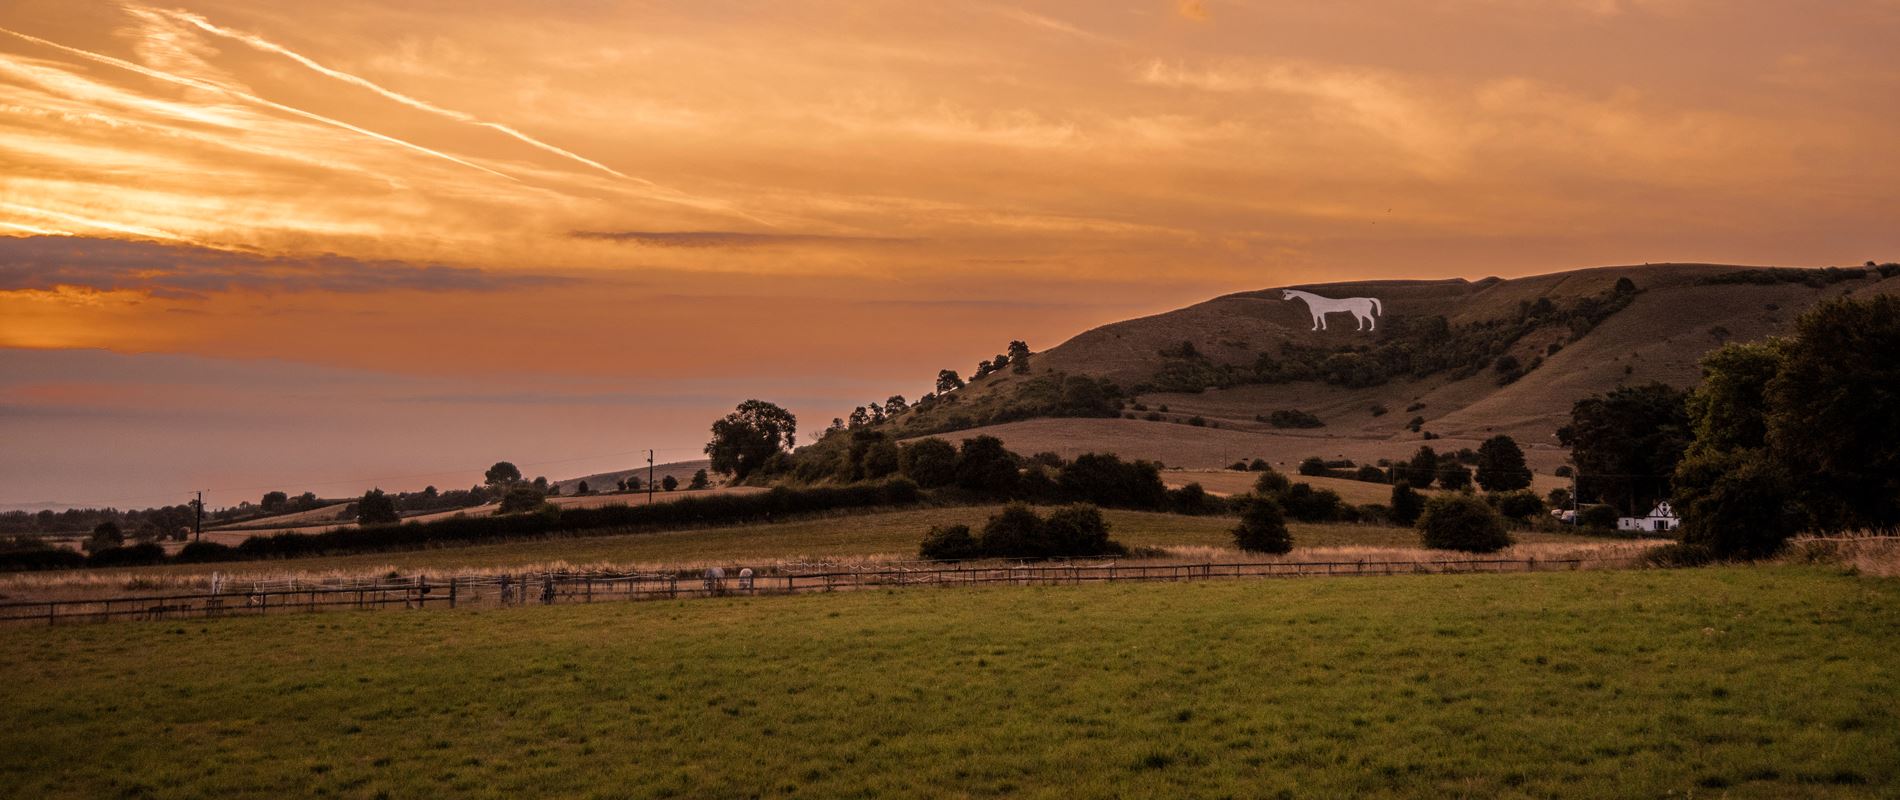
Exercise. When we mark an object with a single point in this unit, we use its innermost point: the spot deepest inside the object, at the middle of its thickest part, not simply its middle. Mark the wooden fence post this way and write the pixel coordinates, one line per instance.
(452, 583)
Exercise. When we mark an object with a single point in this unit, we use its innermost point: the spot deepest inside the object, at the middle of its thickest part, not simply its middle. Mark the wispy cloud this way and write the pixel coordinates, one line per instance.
(731, 239)
(45, 263)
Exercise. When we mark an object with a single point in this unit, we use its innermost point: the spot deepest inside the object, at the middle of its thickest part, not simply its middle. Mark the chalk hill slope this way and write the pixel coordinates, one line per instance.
(1509, 356)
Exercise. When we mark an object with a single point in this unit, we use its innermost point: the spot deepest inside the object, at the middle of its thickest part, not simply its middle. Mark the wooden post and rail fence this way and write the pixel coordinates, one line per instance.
(548, 588)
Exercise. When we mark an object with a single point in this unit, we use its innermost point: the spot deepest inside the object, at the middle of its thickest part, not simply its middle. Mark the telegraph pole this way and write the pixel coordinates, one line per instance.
(649, 477)
(198, 521)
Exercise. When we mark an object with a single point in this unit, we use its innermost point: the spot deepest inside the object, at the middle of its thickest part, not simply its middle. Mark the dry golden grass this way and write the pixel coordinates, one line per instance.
(1863, 555)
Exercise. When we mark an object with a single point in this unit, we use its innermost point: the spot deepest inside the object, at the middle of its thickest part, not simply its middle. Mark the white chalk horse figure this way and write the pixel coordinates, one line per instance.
(1363, 309)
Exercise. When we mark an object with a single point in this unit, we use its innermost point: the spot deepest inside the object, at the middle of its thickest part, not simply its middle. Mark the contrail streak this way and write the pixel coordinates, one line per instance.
(423, 105)
(247, 97)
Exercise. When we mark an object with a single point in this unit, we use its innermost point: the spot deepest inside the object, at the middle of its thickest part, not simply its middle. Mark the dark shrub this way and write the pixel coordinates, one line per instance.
(1190, 499)
(1238, 466)
(1270, 483)
(1262, 527)
(1048, 459)
(930, 462)
(1407, 504)
(1737, 505)
(137, 555)
(1601, 517)
(1454, 476)
(949, 543)
(1294, 418)
(1307, 504)
(1197, 421)
(1015, 532)
(1314, 466)
(1259, 465)
(23, 553)
(1078, 530)
(1564, 471)
(1423, 468)
(1520, 504)
(202, 552)
(1370, 474)
(1462, 522)
(1106, 480)
(1679, 554)
(521, 497)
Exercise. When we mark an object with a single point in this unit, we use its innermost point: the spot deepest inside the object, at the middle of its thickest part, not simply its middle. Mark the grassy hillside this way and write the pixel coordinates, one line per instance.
(1566, 343)
(1762, 682)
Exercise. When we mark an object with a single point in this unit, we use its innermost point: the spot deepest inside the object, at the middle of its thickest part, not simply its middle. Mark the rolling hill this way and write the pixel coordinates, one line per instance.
(1471, 358)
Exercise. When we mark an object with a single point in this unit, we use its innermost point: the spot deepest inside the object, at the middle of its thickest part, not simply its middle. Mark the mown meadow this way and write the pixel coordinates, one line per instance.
(1742, 682)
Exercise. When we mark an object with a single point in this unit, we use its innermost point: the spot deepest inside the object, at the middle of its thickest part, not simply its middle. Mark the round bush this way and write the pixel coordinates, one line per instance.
(948, 543)
(1462, 522)
(1262, 528)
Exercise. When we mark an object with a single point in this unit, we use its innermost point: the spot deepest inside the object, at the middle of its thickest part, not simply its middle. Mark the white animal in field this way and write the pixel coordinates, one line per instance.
(1363, 309)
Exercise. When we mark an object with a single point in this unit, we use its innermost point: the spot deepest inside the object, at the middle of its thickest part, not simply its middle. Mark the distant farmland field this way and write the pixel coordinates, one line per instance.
(1749, 682)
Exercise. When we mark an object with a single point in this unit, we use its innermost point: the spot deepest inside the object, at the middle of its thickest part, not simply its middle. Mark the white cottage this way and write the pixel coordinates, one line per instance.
(1661, 518)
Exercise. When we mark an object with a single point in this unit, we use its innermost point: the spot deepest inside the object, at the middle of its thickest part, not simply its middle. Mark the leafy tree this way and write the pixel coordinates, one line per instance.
(1729, 409)
(699, 481)
(1501, 466)
(948, 381)
(502, 474)
(1423, 468)
(633, 483)
(1601, 517)
(1262, 527)
(745, 439)
(1314, 466)
(1625, 286)
(1271, 483)
(877, 413)
(104, 535)
(1558, 498)
(521, 497)
(1462, 522)
(669, 483)
(582, 488)
(1307, 504)
(621, 484)
(859, 418)
(872, 456)
(1015, 532)
(1407, 504)
(1453, 475)
(930, 462)
(541, 483)
(1019, 357)
(1626, 443)
(1738, 503)
(1517, 503)
(376, 508)
(983, 465)
(895, 405)
(1077, 530)
(274, 502)
(1104, 479)
(1834, 412)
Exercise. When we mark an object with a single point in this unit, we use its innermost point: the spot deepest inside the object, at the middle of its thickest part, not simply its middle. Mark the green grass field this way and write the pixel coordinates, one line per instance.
(894, 533)
(1744, 682)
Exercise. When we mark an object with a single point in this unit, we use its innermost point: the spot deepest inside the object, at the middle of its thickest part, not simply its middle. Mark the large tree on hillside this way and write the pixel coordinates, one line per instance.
(747, 437)
(1734, 496)
(1627, 443)
(1834, 412)
(1501, 466)
(376, 508)
(948, 381)
(1019, 356)
(502, 474)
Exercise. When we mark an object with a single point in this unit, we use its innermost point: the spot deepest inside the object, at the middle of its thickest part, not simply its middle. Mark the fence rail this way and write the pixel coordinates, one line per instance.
(549, 588)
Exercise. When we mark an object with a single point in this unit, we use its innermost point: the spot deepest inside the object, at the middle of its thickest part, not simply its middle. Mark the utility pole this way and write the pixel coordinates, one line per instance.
(649, 477)
(198, 521)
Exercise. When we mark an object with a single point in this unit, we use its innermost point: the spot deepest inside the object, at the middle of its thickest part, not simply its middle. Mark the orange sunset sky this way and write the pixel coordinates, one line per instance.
(261, 244)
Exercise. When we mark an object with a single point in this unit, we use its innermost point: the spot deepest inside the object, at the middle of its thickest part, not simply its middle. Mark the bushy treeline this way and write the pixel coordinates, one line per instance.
(155, 523)
(1019, 532)
(1816, 278)
(547, 520)
(1405, 347)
